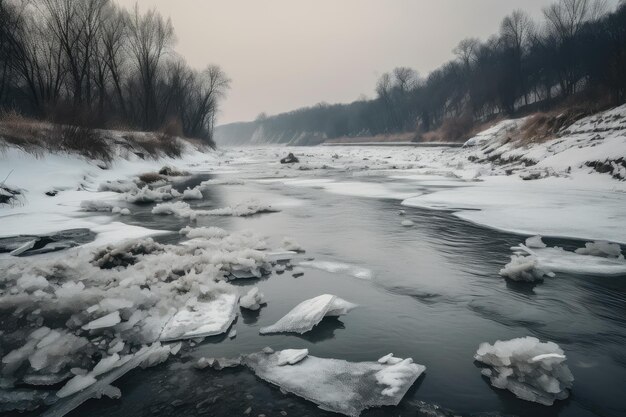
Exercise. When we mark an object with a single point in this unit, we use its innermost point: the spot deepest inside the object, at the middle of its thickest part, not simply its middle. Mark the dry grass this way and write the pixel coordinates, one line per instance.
(456, 129)
(38, 137)
(543, 126)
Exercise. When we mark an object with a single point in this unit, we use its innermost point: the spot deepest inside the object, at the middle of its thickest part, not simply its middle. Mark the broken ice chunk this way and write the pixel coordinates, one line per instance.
(106, 321)
(530, 369)
(535, 242)
(601, 248)
(337, 385)
(146, 356)
(199, 318)
(291, 356)
(389, 359)
(394, 376)
(559, 260)
(309, 313)
(192, 194)
(78, 383)
(252, 300)
(524, 268)
(407, 223)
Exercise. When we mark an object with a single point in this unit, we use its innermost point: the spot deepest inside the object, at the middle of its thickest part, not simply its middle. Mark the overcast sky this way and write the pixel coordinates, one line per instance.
(285, 54)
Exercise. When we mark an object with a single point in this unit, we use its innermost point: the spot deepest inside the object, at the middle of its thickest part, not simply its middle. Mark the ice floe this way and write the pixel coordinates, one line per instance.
(306, 315)
(201, 318)
(336, 385)
(596, 258)
(530, 369)
(339, 267)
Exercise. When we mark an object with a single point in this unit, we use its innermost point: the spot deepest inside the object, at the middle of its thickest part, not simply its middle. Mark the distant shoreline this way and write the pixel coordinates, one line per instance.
(412, 144)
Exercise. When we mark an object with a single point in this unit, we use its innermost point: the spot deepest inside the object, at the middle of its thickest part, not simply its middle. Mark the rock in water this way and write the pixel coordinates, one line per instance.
(337, 385)
(309, 313)
(530, 369)
(290, 159)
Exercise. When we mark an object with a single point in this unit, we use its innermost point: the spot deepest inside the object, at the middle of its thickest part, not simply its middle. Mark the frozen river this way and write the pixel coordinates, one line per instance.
(431, 292)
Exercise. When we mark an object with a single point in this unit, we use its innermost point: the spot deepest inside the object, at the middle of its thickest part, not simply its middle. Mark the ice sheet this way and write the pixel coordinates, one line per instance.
(337, 385)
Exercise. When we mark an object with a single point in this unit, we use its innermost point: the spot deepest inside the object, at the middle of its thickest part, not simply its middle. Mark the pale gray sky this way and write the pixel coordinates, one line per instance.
(285, 54)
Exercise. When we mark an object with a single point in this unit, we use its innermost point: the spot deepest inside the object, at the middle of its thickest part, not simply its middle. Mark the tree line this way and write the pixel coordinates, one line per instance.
(91, 62)
(577, 49)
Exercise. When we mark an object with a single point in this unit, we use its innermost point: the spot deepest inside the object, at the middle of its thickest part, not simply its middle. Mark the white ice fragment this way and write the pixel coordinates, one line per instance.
(117, 347)
(109, 320)
(407, 223)
(232, 334)
(30, 282)
(177, 208)
(535, 242)
(291, 356)
(339, 267)
(252, 300)
(306, 315)
(96, 205)
(192, 194)
(530, 369)
(122, 211)
(146, 356)
(337, 385)
(203, 232)
(389, 359)
(199, 318)
(106, 364)
(78, 383)
(396, 375)
(559, 260)
(601, 248)
(290, 244)
(243, 209)
(524, 268)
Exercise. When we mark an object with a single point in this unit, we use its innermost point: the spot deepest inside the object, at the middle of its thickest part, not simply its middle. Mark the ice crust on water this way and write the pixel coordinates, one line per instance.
(306, 315)
(253, 300)
(530, 369)
(336, 385)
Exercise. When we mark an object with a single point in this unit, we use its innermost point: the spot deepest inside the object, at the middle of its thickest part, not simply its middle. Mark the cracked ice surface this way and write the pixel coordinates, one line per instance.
(337, 385)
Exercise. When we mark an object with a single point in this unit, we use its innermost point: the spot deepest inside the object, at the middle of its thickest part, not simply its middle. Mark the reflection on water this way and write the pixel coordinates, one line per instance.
(435, 295)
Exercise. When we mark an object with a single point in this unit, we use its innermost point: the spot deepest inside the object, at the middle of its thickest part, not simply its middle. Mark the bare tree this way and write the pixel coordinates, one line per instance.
(150, 38)
(516, 32)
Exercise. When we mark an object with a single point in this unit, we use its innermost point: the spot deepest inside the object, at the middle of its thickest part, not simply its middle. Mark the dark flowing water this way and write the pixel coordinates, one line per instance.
(434, 295)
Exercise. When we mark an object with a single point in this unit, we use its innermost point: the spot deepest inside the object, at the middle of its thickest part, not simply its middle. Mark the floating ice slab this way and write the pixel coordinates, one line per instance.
(559, 260)
(337, 385)
(200, 318)
(338, 267)
(530, 369)
(309, 313)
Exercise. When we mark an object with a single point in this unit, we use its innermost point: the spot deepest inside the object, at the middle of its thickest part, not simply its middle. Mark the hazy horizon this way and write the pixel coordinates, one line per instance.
(282, 55)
